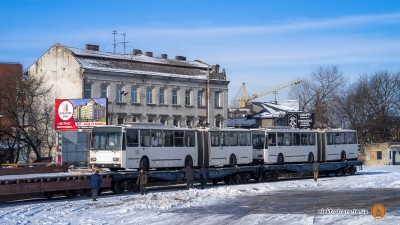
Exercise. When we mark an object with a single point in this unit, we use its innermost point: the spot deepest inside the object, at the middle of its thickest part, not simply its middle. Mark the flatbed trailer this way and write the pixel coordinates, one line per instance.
(126, 180)
(72, 184)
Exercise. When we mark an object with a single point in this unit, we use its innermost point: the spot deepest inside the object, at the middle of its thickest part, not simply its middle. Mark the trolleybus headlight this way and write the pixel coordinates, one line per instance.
(115, 159)
(93, 159)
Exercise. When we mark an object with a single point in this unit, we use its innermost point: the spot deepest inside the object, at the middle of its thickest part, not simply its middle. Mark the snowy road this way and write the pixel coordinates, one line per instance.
(284, 202)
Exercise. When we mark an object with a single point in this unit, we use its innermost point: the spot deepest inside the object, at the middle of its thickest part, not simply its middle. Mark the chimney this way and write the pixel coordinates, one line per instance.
(149, 54)
(182, 58)
(92, 47)
(164, 56)
(137, 52)
(215, 68)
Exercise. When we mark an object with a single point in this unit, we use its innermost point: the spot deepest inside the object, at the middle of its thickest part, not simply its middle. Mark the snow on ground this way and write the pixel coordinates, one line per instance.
(161, 206)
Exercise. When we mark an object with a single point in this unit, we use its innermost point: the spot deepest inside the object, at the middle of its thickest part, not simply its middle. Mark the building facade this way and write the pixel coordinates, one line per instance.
(139, 87)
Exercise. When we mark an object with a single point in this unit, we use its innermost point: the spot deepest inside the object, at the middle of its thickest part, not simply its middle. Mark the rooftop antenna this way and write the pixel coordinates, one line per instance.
(124, 42)
(115, 44)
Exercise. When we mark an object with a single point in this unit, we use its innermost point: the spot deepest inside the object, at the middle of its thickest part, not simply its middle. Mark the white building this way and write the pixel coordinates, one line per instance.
(139, 87)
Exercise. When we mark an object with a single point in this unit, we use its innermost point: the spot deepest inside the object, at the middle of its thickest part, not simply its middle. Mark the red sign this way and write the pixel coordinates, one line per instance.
(64, 115)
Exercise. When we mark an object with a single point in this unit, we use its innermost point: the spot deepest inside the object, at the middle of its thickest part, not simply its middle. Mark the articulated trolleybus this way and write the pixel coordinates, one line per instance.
(285, 145)
(157, 147)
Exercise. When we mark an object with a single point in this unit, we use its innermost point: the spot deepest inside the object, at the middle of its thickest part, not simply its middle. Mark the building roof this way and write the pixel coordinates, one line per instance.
(139, 64)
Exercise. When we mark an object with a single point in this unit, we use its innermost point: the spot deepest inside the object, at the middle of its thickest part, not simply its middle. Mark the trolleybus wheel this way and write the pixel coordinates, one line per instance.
(232, 161)
(280, 159)
(189, 161)
(310, 157)
(144, 163)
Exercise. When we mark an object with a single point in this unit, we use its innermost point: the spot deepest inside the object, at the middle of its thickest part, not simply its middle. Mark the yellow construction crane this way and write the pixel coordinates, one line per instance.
(245, 99)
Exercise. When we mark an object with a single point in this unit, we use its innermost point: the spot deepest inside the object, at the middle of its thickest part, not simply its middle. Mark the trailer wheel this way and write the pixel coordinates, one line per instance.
(310, 157)
(232, 161)
(48, 195)
(280, 159)
(189, 161)
(71, 193)
(117, 188)
(353, 170)
(215, 181)
(235, 178)
(144, 163)
(227, 180)
(343, 156)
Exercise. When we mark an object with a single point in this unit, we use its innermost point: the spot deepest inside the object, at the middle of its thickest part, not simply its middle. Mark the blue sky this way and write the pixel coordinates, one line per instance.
(262, 43)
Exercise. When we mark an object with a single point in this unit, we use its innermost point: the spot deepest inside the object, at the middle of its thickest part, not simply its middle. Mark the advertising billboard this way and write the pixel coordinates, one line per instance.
(74, 114)
(301, 120)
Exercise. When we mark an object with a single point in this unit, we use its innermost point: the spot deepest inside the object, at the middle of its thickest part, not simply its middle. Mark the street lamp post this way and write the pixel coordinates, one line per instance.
(122, 93)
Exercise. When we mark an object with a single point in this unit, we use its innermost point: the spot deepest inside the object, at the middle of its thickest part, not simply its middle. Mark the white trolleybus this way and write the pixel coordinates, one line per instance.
(284, 145)
(156, 147)
(337, 145)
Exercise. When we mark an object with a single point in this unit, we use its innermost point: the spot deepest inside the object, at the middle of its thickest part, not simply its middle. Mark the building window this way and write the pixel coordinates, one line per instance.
(200, 99)
(218, 124)
(118, 95)
(187, 97)
(174, 97)
(134, 94)
(217, 99)
(103, 91)
(161, 97)
(149, 95)
(379, 155)
(88, 90)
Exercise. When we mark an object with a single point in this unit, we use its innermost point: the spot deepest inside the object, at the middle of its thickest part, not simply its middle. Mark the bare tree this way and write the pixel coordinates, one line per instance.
(29, 116)
(318, 93)
(371, 106)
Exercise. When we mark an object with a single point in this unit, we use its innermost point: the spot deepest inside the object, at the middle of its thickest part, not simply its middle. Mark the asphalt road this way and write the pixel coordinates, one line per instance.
(303, 202)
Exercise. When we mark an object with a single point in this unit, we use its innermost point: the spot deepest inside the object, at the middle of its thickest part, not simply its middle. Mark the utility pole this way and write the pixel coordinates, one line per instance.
(115, 44)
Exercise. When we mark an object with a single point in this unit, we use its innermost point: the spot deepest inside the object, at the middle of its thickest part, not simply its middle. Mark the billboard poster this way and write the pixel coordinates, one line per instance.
(301, 120)
(74, 114)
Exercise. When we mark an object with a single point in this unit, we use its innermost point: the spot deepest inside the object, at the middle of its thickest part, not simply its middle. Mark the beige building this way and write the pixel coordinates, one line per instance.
(139, 87)
(381, 154)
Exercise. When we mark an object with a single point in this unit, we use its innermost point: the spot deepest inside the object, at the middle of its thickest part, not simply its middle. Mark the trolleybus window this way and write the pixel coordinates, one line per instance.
(337, 138)
(214, 138)
(351, 138)
(156, 138)
(113, 141)
(224, 139)
(304, 139)
(296, 139)
(288, 139)
(145, 138)
(311, 139)
(132, 138)
(329, 138)
(179, 138)
(169, 138)
(280, 139)
(99, 141)
(243, 139)
(258, 141)
(272, 139)
(190, 138)
(233, 138)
